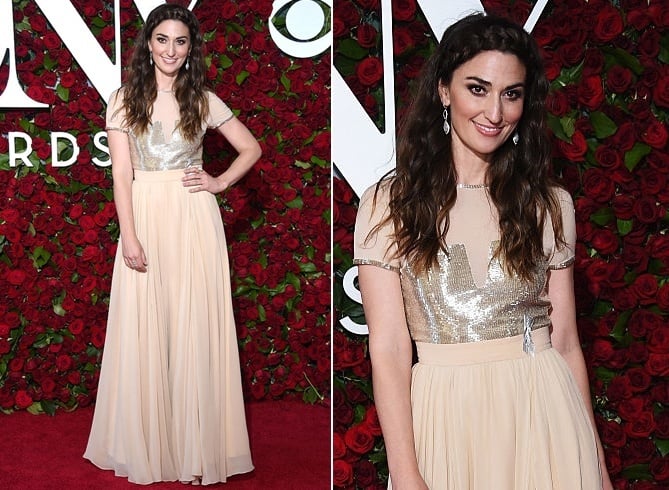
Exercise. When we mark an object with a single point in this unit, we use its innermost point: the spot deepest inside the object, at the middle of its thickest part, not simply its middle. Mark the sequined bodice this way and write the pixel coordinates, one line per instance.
(444, 305)
(154, 150)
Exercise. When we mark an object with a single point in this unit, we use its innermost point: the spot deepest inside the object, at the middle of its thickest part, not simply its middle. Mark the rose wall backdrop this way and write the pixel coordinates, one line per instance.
(58, 228)
(608, 62)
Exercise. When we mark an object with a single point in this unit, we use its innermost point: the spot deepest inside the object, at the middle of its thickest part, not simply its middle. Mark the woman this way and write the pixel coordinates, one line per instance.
(467, 249)
(169, 403)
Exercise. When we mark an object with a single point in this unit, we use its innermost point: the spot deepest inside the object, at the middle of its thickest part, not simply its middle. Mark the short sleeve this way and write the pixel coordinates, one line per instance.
(219, 112)
(374, 246)
(115, 117)
(562, 255)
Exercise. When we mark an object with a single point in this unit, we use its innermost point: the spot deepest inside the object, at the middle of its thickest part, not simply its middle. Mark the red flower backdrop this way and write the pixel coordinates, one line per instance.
(58, 228)
(608, 66)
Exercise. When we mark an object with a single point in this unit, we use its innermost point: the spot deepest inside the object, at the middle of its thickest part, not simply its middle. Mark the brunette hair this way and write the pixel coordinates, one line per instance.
(422, 188)
(140, 90)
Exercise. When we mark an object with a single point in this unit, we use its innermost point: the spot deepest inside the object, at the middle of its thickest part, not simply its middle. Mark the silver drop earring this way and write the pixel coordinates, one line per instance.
(151, 59)
(447, 127)
(515, 138)
(187, 64)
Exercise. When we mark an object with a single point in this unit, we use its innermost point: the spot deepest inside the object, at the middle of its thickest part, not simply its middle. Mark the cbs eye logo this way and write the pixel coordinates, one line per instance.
(301, 28)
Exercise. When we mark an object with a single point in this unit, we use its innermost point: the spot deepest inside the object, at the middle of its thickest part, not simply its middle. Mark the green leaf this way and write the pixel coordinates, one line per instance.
(262, 314)
(285, 81)
(620, 327)
(637, 472)
(624, 58)
(351, 49)
(295, 203)
(625, 226)
(224, 61)
(300, 164)
(308, 267)
(40, 257)
(63, 93)
(603, 216)
(59, 310)
(664, 50)
(662, 445)
(605, 374)
(48, 407)
(35, 408)
(241, 76)
(601, 308)
(634, 156)
(602, 124)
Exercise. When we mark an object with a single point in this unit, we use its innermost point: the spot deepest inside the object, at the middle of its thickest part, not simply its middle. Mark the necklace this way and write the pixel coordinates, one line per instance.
(166, 91)
(472, 186)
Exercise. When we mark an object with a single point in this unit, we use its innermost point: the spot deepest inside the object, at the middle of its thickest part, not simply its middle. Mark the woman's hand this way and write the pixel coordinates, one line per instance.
(198, 180)
(133, 254)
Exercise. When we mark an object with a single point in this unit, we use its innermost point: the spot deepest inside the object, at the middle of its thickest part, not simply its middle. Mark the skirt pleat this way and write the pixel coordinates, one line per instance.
(486, 415)
(169, 404)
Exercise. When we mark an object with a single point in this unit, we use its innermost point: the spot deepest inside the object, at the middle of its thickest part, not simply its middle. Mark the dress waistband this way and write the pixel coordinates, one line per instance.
(159, 175)
(482, 351)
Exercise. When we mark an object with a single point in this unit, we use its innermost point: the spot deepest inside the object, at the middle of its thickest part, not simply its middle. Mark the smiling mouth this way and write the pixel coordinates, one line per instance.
(488, 130)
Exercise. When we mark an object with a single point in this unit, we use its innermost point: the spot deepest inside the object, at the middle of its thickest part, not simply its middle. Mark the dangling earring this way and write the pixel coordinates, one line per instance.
(187, 64)
(150, 58)
(515, 138)
(447, 127)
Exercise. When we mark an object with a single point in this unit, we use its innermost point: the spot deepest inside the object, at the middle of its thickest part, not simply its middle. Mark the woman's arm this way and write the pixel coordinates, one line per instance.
(248, 151)
(390, 352)
(122, 173)
(564, 338)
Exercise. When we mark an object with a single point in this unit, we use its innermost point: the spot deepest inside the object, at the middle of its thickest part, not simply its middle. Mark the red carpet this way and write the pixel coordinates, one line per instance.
(290, 443)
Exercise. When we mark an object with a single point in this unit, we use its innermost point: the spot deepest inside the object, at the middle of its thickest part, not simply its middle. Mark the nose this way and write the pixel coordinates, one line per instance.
(171, 49)
(493, 110)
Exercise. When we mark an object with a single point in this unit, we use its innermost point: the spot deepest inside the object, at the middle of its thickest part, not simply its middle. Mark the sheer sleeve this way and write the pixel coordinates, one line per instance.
(219, 112)
(562, 255)
(115, 117)
(374, 247)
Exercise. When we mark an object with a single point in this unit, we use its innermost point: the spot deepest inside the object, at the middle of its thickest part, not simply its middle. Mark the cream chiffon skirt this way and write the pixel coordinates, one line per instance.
(488, 416)
(169, 403)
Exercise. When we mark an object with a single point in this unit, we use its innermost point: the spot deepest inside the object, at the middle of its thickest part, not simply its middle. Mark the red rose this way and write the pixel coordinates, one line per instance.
(657, 365)
(366, 35)
(619, 388)
(608, 23)
(639, 379)
(655, 134)
(402, 41)
(647, 210)
(593, 63)
(342, 473)
(661, 90)
(22, 399)
(662, 424)
(338, 446)
(625, 136)
(631, 407)
(403, 9)
(598, 185)
(658, 340)
(618, 79)
(16, 277)
(590, 92)
(605, 241)
(574, 151)
(659, 468)
(637, 352)
(611, 432)
(365, 474)
(571, 53)
(557, 103)
(369, 71)
(645, 288)
(662, 298)
(638, 451)
(359, 439)
(649, 43)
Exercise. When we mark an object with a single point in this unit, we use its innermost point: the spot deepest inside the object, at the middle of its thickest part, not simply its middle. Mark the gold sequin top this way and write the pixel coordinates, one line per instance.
(162, 147)
(466, 296)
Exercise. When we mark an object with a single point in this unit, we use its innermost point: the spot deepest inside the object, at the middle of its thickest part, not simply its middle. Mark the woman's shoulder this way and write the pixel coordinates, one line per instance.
(377, 193)
(562, 196)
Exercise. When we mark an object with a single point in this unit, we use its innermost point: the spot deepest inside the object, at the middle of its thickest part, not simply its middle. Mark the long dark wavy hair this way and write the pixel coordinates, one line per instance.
(422, 188)
(140, 90)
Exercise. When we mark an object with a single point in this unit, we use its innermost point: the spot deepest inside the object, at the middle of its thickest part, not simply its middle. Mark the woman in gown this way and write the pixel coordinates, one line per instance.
(169, 402)
(467, 249)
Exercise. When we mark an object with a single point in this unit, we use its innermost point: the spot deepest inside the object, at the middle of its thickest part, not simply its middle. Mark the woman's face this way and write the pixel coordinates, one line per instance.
(485, 101)
(169, 46)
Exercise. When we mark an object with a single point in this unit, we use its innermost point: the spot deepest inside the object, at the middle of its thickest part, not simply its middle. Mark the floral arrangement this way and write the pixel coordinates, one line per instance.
(607, 62)
(58, 229)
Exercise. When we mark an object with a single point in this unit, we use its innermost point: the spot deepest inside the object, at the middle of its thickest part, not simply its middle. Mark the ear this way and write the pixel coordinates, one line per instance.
(443, 94)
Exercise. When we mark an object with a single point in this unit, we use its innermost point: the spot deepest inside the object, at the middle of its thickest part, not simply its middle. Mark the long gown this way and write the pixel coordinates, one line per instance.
(169, 403)
(493, 404)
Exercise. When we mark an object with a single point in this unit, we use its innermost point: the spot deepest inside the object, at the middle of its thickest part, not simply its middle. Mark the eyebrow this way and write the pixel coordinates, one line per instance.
(165, 35)
(488, 84)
